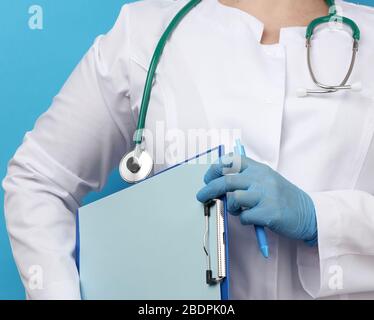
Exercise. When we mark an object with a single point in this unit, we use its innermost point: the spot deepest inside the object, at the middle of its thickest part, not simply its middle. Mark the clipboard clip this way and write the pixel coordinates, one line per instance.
(221, 250)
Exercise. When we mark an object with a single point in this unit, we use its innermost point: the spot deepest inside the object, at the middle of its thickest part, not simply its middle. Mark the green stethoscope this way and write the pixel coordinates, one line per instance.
(137, 165)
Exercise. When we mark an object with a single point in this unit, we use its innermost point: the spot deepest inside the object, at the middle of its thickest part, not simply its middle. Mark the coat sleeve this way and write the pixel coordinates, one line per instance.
(343, 262)
(70, 152)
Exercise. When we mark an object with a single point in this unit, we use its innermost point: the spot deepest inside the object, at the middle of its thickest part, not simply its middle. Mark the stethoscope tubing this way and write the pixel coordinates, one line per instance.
(131, 162)
(153, 66)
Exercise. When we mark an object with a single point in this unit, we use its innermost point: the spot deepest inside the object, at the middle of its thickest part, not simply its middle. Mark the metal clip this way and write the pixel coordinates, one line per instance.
(221, 247)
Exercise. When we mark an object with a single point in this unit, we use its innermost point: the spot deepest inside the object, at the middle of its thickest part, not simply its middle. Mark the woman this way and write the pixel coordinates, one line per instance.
(235, 65)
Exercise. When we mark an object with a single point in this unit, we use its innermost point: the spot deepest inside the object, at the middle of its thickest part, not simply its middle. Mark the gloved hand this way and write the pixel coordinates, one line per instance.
(261, 196)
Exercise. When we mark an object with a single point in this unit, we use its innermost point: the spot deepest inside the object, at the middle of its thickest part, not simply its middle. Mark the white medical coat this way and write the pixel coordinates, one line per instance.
(214, 74)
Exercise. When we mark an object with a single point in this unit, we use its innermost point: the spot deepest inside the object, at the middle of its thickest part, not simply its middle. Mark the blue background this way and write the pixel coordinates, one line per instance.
(34, 64)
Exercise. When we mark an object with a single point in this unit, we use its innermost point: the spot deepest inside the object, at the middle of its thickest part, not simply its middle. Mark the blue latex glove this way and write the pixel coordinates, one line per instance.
(261, 196)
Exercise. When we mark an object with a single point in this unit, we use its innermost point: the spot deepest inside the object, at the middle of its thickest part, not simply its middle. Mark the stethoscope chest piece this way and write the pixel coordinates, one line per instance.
(134, 169)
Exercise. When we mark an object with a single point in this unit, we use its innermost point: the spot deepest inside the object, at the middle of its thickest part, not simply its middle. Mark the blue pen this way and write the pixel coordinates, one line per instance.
(260, 231)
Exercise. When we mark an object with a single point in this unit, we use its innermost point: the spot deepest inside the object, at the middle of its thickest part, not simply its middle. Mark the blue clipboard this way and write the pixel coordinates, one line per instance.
(147, 242)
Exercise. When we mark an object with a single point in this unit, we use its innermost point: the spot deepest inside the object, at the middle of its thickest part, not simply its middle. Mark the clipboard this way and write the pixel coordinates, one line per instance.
(155, 241)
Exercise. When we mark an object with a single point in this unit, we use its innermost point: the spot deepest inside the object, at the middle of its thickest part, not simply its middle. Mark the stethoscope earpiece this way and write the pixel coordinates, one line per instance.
(356, 87)
(301, 92)
(304, 92)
